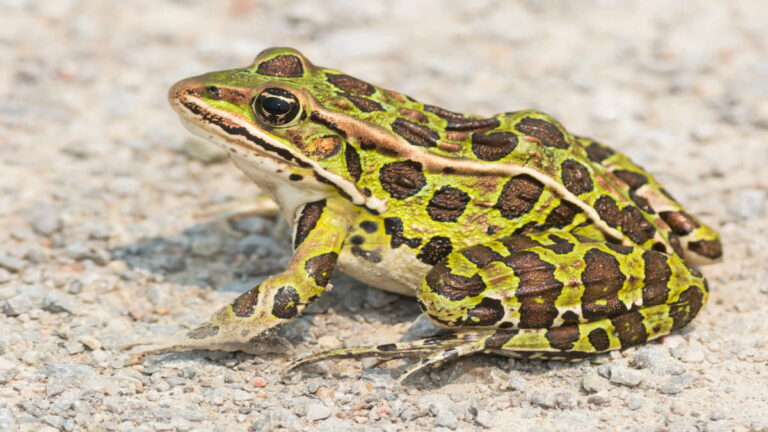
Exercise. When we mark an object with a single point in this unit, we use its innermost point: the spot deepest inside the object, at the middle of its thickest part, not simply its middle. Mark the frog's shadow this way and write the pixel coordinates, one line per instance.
(215, 255)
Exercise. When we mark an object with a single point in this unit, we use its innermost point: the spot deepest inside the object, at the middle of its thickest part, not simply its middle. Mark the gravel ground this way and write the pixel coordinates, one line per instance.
(102, 242)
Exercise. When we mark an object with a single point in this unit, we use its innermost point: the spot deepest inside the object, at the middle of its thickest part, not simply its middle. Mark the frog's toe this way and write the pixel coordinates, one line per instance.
(433, 350)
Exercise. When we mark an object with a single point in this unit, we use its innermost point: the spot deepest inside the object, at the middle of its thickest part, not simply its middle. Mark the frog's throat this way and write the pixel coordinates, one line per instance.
(240, 137)
(385, 140)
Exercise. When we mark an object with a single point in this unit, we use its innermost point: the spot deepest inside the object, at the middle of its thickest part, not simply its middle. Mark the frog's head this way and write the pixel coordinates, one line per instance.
(286, 121)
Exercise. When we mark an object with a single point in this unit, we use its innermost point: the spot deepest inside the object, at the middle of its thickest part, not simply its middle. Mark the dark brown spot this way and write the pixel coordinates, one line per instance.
(674, 241)
(318, 118)
(447, 204)
(570, 318)
(599, 339)
(516, 243)
(686, 307)
(286, 304)
(357, 240)
(472, 124)
(204, 331)
(641, 202)
(635, 226)
(633, 179)
(353, 162)
(562, 338)
(310, 214)
(657, 274)
(487, 313)
(437, 248)
(608, 210)
(630, 329)
(351, 85)
(493, 146)
(414, 133)
(451, 286)
(320, 268)
(576, 177)
(245, 303)
(712, 249)
(547, 133)
(369, 226)
(295, 177)
(602, 279)
(387, 347)
(394, 228)
(597, 152)
(480, 255)
(499, 338)
(561, 215)
(537, 290)
(444, 113)
(680, 222)
(364, 104)
(373, 256)
(402, 179)
(287, 66)
(518, 196)
(561, 248)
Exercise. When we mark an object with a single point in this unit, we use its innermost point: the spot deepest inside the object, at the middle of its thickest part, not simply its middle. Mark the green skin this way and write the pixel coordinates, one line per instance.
(523, 239)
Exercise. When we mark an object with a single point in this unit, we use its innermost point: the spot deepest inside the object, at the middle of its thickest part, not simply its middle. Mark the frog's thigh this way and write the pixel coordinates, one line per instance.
(556, 290)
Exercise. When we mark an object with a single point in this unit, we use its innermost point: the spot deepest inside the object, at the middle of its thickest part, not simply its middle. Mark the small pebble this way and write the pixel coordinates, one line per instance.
(45, 220)
(625, 376)
(484, 419)
(676, 384)
(318, 411)
(592, 382)
(12, 264)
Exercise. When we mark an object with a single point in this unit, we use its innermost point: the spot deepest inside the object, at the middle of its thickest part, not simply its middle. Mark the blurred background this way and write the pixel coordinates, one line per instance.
(101, 188)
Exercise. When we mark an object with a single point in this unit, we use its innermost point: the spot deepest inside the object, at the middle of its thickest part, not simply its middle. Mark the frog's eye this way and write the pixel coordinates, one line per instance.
(276, 106)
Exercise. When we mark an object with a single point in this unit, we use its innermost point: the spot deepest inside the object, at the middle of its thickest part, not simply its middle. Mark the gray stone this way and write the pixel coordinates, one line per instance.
(542, 399)
(421, 328)
(45, 220)
(592, 382)
(17, 305)
(318, 411)
(241, 395)
(516, 382)
(635, 402)
(55, 302)
(446, 418)
(12, 264)
(625, 376)
(484, 419)
(657, 360)
(676, 384)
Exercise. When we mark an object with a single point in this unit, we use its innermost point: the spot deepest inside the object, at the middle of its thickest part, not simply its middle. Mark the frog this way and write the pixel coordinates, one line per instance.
(513, 235)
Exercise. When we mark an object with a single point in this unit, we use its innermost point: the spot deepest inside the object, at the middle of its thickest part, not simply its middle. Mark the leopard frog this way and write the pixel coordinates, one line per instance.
(521, 238)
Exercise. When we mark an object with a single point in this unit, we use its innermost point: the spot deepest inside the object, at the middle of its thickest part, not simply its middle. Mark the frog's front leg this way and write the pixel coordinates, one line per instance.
(320, 231)
(549, 295)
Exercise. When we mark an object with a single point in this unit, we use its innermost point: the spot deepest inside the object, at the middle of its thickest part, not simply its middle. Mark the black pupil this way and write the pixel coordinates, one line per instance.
(275, 106)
